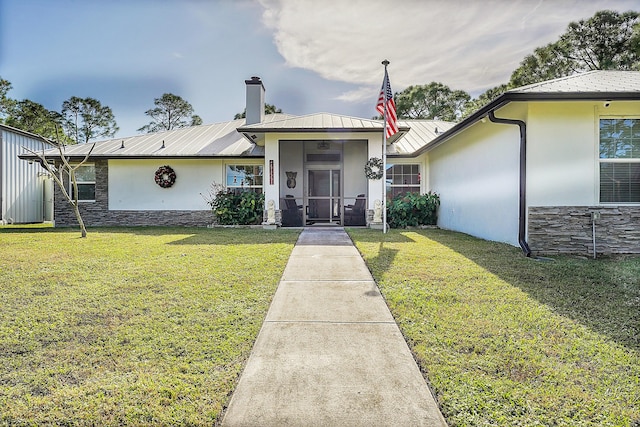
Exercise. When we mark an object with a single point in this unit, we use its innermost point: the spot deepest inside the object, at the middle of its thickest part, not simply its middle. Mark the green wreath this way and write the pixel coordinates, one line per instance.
(374, 169)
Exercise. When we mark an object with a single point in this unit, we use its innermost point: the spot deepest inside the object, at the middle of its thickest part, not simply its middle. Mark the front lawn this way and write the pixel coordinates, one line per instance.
(140, 326)
(509, 341)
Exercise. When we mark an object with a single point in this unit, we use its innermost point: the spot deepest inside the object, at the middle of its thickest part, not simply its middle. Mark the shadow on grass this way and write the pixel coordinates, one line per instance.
(602, 294)
(375, 236)
(194, 235)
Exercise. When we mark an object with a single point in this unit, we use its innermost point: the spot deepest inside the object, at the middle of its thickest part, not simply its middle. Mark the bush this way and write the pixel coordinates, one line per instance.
(413, 209)
(243, 208)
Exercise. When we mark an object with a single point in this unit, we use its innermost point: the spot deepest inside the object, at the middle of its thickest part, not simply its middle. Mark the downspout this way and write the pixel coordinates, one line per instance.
(522, 219)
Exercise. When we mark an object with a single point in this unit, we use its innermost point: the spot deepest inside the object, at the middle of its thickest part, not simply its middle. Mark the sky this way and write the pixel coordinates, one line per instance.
(313, 56)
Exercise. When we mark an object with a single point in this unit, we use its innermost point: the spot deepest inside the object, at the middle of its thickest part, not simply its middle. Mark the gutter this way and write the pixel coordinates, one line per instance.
(501, 101)
(522, 217)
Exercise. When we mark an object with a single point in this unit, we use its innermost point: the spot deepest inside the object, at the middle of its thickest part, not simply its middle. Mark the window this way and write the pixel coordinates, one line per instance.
(402, 179)
(86, 181)
(244, 178)
(620, 160)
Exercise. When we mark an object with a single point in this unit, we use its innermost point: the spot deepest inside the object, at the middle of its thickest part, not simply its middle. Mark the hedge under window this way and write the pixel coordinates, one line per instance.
(620, 160)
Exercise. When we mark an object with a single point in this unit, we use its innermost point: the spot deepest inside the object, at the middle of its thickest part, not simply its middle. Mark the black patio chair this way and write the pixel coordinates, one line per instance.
(354, 215)
(291, 212)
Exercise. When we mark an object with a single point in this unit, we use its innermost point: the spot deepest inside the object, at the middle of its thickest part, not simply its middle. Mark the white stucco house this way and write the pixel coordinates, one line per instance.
(26, 191)
(532, 168)
(552, 167)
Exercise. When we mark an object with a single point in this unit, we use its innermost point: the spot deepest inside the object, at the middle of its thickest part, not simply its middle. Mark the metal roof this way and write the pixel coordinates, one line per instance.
(319, 122)
(25, 133)
(214, 140)
(590, 86)
(235, 139)
(589, 82)
(314, 123)
(422, 132)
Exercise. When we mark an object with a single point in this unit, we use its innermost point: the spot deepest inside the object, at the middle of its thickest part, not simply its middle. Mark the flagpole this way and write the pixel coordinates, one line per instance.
(384, 161)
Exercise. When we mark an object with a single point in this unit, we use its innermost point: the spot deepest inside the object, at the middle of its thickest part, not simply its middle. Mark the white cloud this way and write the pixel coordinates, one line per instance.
(467, 45)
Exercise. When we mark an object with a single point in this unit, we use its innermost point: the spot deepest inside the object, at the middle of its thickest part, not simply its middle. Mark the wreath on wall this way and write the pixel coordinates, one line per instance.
(165, 176)
(373, 169)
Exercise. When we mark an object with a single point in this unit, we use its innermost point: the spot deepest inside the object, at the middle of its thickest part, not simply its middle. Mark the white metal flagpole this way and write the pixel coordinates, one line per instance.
(384, 157)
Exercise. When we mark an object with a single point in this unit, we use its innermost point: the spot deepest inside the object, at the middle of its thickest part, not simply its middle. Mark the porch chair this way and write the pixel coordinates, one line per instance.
(292, 212)
(354, 215)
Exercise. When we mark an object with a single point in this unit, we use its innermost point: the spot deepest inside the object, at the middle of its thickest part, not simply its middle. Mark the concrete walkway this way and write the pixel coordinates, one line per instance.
(329, 353)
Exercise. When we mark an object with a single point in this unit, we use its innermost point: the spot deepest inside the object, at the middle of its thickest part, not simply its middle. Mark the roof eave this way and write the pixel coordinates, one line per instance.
(29, 134)
(314, 130)
(508, 97)
(249, 133)
(74, 158)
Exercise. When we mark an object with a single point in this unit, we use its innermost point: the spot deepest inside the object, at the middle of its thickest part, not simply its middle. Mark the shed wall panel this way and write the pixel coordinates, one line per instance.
(22, 184)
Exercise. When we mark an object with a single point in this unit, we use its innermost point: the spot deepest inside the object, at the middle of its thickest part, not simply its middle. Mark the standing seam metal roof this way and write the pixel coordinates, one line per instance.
(415, 136)
(215, 140)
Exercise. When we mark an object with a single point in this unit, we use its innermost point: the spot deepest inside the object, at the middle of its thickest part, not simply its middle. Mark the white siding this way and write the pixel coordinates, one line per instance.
(376, 186)
(291, 153)
(563, 151)
(476, 175)
(355, 157)
(561, 154)
(22, 184)
(132, 185)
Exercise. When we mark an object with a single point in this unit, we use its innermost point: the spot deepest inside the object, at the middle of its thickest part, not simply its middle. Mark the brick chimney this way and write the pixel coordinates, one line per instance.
(255, 101)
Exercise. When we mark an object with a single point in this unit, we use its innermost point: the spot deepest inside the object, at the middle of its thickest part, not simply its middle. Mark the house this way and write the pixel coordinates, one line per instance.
(26, 191)
(541, 167)
(310, 167)
(553, 167)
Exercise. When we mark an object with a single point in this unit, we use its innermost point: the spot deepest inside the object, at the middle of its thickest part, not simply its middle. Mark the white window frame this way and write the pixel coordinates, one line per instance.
(600, 161)
(415, 188)
(241, 185)
(79, 182)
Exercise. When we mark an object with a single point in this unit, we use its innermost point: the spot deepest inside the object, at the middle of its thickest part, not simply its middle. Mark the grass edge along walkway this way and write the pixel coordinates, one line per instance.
(508, 341)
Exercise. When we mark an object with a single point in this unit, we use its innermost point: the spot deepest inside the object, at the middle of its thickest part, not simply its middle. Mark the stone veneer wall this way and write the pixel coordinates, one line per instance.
(568, 230)
(96, 214)
(278, 217)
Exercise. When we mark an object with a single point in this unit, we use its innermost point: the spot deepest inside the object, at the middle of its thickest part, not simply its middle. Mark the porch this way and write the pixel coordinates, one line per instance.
(323, 182)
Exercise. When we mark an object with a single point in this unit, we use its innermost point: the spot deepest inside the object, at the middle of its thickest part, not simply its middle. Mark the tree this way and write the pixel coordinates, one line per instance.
(6, 104)
(434, 101)
(33, 117)
(635, 45)
(171, 112)
(483, 99)
(58, 173)
(85, 119)
(268, 109)
(545, 63)
(607, 41)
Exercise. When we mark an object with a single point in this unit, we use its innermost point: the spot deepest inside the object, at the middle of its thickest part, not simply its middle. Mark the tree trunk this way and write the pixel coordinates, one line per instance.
(83, 229)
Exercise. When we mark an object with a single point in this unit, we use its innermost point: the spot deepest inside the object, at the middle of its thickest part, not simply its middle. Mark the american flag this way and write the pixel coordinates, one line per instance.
(386, 98)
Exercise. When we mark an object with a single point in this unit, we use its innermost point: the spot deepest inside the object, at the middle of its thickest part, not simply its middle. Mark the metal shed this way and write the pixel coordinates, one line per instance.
(26, 190)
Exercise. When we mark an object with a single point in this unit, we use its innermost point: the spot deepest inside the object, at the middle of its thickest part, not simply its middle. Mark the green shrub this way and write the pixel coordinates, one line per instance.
(413, 209)
(243, 208)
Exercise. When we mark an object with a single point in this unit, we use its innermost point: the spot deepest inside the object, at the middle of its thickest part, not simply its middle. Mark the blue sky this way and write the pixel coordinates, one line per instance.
(313, 56)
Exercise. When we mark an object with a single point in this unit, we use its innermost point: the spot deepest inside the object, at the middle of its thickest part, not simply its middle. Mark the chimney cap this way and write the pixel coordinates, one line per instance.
(255, 80)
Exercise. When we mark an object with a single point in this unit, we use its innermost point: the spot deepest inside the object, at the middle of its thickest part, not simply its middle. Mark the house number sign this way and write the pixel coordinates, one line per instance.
(270, 172)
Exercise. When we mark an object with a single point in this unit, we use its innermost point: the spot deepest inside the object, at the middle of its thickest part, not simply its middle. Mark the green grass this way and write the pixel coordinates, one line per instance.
(130, 326)
(509, 341)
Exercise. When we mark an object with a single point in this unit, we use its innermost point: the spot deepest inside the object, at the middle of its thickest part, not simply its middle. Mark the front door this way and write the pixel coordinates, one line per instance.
(323, 198)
